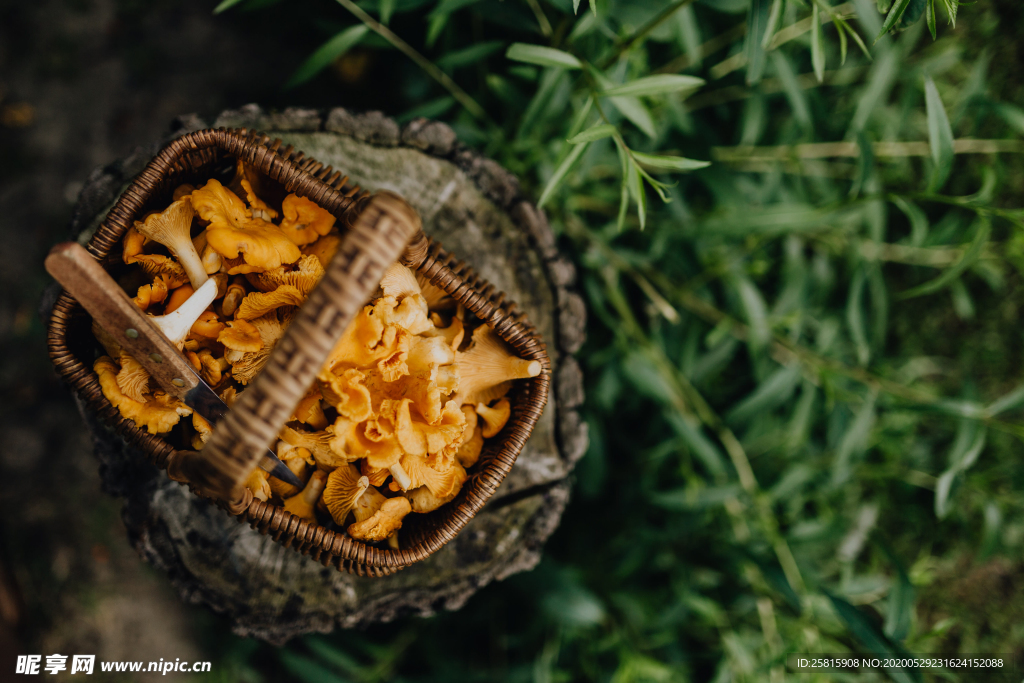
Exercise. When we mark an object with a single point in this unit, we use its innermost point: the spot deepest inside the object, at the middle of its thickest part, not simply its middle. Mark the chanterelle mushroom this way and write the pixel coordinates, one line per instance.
(384, 522)
(301, 505)
(156, 416)
(344, 487)
(304, 221)
(233, 231)
(487, 366)
(251, 362)
(302, 275)
(171, 228)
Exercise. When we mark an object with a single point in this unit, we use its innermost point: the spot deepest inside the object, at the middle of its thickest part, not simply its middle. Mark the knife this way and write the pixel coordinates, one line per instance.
(84, 279)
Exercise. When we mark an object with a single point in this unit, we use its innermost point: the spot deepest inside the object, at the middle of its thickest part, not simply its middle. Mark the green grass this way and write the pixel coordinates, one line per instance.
(803, 367)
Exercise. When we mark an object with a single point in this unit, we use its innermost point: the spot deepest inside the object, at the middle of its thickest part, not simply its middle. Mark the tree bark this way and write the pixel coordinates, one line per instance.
(475, 209)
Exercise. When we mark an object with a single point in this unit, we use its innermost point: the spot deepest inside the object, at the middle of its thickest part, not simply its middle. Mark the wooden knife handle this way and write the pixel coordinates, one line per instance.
(84, 279)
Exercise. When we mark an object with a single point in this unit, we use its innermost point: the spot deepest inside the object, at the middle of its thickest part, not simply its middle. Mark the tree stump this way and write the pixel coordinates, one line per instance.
(474, 208)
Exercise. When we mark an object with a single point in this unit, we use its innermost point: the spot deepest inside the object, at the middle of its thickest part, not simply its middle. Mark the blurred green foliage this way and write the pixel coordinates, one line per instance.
(803, 365)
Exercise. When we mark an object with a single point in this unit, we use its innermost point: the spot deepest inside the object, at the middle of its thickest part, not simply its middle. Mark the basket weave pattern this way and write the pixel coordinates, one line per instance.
(190, 157)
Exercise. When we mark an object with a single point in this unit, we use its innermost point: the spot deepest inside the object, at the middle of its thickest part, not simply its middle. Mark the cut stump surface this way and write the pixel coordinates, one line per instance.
(475, 209)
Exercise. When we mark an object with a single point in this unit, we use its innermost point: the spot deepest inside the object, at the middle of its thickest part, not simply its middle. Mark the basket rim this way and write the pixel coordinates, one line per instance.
(434, 263)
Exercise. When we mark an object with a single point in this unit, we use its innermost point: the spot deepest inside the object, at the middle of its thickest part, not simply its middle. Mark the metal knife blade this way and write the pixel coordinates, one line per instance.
(79, 273)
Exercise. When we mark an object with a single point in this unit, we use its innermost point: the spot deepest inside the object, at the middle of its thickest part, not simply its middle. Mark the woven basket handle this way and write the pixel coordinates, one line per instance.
(376, 239)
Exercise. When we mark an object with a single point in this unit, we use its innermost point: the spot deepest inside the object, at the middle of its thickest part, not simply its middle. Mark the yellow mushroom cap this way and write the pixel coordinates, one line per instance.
(203, 431)
(472, 439)
(347, 393)
(233, 230)
(317, 443)
(298, 461)
(323, 249)
(304, 274)
(423, 499)
(156, 416)
(344, 487)
(494, 418)
(304, 220)
(248, 366)
(258, 207)
(240, 335)
(178, 297)
(373, 439)
(399, 282)
(384, 522)
(258, 304)
(309, 409)
(133, 380)
(258, 483)
(418, 437)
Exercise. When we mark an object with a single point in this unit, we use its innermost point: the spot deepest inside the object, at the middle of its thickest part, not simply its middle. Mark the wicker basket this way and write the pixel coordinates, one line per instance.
(375, 233)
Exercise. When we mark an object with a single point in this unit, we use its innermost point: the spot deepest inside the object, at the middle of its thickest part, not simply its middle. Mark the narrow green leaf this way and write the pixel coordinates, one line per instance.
(944, 488)
(575, 6)
(446, 7)
(918, 219)
(544, 56)
(930, 17)
(856, 38)
(901, 603)
(869, 636)
(226, 4)
(559, 175)
(854, 441)
(702, 448)
(940, 136)
(842, 41)
(595, 132)
(966, 261)
(757, 24)
(774, 17)
(817, 46)
(551, 81)
(634, 110)
(696, 498)
(775, 390)
(327, 53)
(792, 88)
(1010, 401)
(435, 25)
(897, 10)
(865, 164)
(636, 188)
(470, 55)
(951, 8)
(855, 316)
(669, 163)
(655, 85)
(623, 185)
(387, 8)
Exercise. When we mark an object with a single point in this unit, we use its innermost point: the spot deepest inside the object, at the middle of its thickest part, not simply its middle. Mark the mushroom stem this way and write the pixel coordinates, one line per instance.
(171, 229)
(176, 325)
(401, 476)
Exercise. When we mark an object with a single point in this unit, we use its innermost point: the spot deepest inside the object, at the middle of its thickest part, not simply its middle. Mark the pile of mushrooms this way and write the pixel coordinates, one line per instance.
(397, 414)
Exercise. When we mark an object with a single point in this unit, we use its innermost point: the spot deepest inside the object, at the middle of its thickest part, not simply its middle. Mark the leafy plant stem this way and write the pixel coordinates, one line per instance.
(629, 42)
(429, 67)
